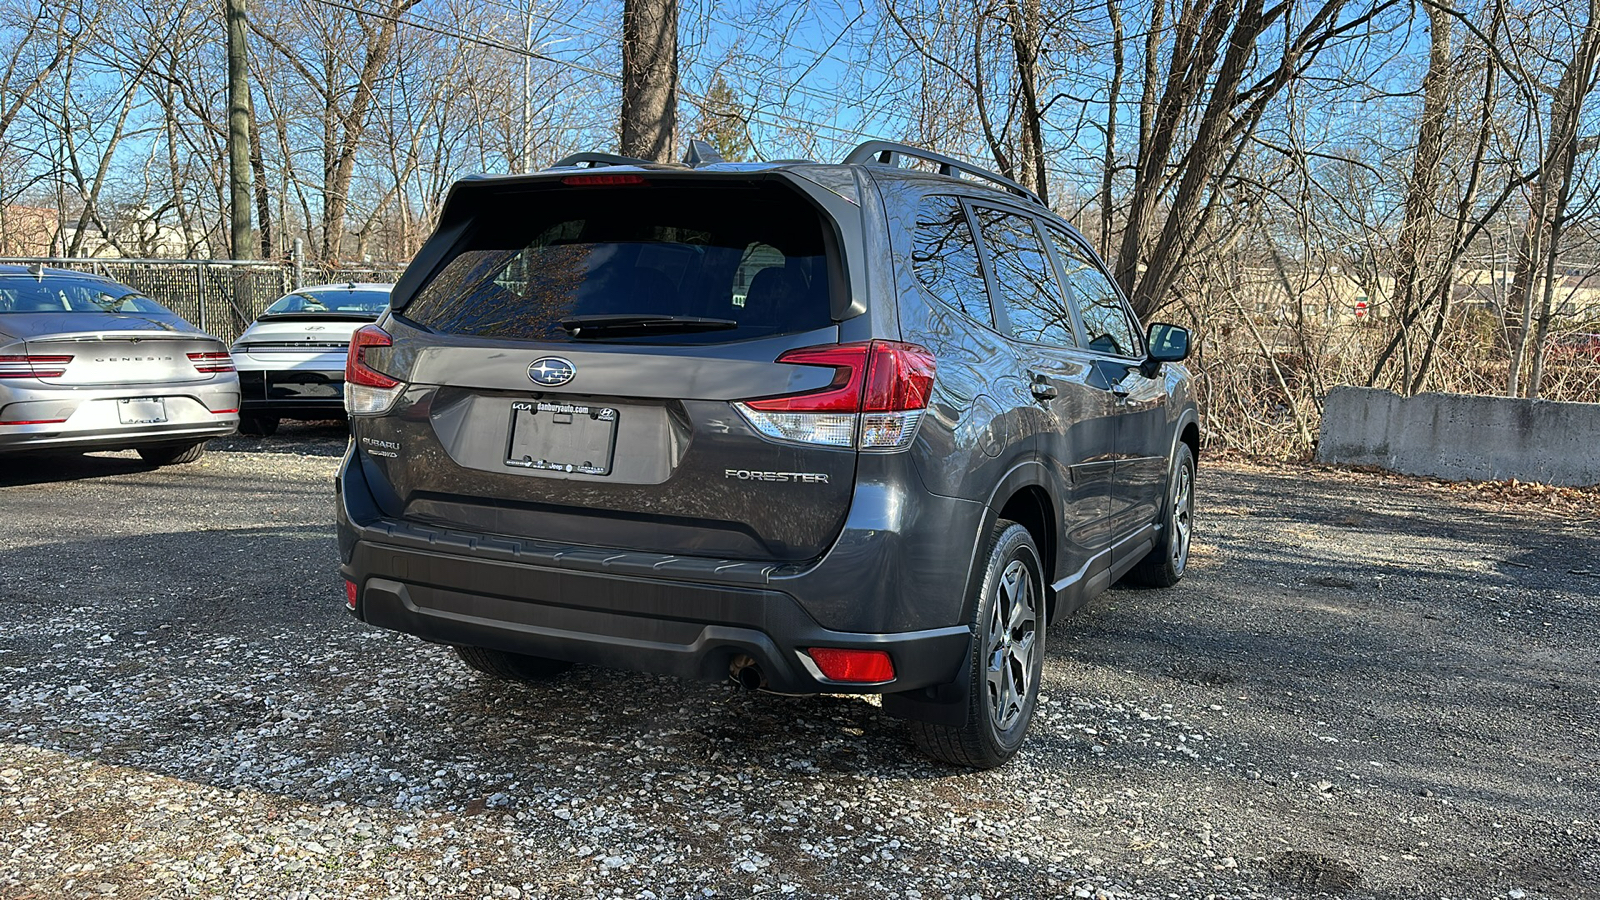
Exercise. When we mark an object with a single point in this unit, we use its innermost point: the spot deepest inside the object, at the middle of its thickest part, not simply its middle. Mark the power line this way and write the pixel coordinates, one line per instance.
(444, 31)
(851, 135)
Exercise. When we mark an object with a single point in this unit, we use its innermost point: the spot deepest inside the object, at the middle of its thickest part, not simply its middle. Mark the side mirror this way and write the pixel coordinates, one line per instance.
(1168, 343)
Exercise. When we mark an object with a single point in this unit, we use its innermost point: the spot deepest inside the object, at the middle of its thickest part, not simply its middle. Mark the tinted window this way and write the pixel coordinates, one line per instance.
(66, 294)
(333, 302)
(750, 255)
(1106, 322)
(1023, 276)
(946, 259)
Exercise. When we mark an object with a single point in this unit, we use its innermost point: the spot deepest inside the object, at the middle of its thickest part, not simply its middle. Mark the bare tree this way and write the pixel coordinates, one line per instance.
(649, 78)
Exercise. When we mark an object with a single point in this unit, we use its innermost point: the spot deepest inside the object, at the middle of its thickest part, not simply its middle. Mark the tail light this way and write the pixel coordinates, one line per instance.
(879, 392)
(211, 363)
(33, 366)
(351, 594)
(368, 392)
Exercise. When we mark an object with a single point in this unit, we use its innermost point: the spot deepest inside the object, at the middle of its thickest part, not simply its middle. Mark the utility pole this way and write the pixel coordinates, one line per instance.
(238, 131)
(649, 78)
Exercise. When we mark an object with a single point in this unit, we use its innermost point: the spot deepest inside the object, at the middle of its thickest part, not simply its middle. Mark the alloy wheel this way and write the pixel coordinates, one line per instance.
(1011, 644)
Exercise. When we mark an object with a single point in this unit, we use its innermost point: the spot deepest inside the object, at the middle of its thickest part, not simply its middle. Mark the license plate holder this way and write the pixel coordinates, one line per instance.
(142, 410)
(562, 437)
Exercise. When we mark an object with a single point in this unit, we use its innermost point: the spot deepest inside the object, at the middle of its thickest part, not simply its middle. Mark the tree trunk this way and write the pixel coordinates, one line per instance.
(354, 126)
(1109, 160)
(1415, 252)
(1540, 246)
(649, 79)
(238, 132)
(1025, 27)
(258, 168)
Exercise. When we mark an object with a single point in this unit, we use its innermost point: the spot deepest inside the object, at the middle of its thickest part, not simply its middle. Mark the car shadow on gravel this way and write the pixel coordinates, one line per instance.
(23, 470)
(225, 657)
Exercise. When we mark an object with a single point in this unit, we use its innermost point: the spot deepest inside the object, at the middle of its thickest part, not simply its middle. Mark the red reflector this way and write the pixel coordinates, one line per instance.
(35, 422)
(223, 412)
(602, 180)
(356, 370)
(350, 592)
(862, 666)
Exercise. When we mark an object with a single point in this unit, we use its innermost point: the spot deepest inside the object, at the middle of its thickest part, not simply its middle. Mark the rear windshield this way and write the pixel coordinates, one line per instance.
(749, 258)
(65, 294)
(330, 302)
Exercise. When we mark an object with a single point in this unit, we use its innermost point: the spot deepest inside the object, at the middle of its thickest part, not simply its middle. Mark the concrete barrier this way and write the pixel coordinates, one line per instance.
(1463, 437)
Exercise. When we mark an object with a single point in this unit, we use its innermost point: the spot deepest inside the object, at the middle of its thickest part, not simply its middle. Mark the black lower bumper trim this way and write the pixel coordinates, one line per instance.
(690, 630)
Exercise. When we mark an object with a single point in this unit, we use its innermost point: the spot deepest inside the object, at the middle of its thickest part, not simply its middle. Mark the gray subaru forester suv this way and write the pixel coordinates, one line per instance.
(854, 428)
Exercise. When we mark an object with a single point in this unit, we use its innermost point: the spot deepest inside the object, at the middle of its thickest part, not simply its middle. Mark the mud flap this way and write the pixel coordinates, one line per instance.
(940, 704)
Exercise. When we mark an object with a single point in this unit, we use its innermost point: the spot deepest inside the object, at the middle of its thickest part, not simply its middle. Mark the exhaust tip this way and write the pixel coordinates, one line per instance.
(746, 673)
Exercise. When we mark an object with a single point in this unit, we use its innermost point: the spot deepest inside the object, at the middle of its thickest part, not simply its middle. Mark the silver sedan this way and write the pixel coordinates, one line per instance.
(90, 364)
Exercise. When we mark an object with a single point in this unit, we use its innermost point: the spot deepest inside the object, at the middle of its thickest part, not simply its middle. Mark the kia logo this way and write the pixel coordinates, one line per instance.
(552, 371)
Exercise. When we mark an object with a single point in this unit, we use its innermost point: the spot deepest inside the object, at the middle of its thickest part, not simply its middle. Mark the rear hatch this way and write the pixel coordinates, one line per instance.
(575, 359)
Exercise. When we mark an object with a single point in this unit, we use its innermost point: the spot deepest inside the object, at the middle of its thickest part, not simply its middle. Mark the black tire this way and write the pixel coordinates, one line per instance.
(1165, 564)
(258, 426)
(996, 717)
(174, 455)
(511, 666)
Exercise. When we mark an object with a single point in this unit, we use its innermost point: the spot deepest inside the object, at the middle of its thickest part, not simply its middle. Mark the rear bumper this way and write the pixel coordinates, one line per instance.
(303, 393)
(675, 628)
(672, 615)
(86, 419)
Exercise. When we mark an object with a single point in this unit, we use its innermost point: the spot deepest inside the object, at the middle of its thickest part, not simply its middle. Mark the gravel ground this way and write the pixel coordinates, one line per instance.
(1368, 686)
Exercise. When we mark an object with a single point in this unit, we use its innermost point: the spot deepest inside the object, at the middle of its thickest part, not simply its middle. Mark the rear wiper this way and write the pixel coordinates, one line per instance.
(642, 323)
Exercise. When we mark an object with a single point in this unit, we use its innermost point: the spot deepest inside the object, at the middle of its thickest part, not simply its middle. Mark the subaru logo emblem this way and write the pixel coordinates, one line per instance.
(552, 371)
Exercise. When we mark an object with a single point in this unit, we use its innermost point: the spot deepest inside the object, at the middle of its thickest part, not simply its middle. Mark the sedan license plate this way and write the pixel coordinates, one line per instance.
(562, 437)
(142, 411)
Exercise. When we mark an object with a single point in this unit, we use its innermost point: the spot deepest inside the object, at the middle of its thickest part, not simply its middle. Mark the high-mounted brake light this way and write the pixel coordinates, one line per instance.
(613, 180)
(211, 363)
(860, 666)
(368, 392)
(875, 401)
(33, 366)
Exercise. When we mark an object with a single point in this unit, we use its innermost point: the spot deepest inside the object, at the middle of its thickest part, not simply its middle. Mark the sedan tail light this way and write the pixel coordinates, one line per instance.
(368, 392)
(879, 392)
(211, 363)
(33, 366)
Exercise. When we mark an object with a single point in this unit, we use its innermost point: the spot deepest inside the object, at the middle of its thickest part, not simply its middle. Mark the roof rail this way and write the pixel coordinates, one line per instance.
(595, 160)
(888, 153)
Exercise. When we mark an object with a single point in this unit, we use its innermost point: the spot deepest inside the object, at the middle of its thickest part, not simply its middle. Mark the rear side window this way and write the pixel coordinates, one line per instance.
(945, 258)
(1024, 278)
(751, 257)
(1106, 323)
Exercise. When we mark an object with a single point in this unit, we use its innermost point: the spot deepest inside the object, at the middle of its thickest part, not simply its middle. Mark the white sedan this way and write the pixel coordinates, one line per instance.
(291, 360)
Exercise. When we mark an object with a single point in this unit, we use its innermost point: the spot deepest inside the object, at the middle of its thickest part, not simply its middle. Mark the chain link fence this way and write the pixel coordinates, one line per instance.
(220, 296)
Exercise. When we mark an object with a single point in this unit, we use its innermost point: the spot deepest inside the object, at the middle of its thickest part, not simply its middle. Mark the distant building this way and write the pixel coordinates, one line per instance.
(27, 230)
(135, 232)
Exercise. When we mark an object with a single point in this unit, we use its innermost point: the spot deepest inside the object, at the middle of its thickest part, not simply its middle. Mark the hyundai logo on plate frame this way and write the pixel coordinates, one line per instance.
(552, 371)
